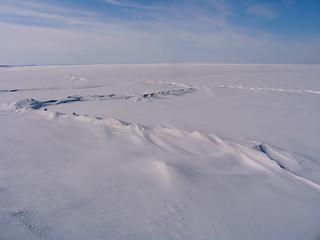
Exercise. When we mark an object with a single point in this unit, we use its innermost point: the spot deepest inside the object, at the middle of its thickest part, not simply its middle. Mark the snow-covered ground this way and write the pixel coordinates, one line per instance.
(180, 151)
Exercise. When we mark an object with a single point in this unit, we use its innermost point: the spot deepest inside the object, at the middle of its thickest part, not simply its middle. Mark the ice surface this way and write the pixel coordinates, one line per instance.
(174, 151)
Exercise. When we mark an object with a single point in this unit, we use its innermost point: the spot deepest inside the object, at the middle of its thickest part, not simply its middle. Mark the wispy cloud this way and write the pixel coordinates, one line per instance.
(222, 7)
(24, 12)
(263, 10)
(123, 4)
(44, 14)
(175, 34)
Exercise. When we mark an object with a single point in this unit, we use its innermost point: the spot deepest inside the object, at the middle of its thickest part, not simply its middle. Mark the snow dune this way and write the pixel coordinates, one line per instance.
(179, 160)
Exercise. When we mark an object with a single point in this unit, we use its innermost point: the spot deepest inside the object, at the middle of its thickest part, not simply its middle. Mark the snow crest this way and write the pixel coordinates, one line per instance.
(244, 160)
(31, 103)
(264, 89)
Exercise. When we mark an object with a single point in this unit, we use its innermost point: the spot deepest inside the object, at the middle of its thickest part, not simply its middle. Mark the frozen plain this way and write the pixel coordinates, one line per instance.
(167, 151)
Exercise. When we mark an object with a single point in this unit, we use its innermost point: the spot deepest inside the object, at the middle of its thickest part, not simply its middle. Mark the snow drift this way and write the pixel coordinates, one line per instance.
(72, 168)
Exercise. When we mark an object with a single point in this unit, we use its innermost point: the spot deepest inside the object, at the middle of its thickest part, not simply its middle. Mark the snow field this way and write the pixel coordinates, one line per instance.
(208, 163)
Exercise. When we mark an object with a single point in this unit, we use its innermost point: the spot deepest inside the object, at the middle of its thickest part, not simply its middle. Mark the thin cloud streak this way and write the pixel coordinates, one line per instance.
(122, 4)
(23, 12)
(262, 10)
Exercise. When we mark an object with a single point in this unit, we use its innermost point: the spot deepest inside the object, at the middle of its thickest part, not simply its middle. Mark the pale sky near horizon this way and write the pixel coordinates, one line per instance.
(166, 31)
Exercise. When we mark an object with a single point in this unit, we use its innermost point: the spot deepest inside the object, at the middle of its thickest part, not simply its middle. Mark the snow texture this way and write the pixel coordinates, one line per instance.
(180, 151)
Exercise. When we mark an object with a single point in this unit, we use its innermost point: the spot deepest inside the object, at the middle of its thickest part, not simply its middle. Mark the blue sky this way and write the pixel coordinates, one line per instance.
(164, 31)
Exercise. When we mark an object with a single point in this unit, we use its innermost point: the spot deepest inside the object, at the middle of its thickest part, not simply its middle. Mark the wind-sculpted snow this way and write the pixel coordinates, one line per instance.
(292, 163)
(92, 152)
(112, 179)
(280, 90)
(196, 142)
(200, 143)
(35, 104)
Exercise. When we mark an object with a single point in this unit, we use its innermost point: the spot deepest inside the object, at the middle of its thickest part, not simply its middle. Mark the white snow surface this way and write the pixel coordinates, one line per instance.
(166, 151)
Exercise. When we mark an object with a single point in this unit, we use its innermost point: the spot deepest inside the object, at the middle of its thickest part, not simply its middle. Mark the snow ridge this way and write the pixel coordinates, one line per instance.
(196, 142)
(290, 163)
(31, 103)
(271, 89)
(201, 144)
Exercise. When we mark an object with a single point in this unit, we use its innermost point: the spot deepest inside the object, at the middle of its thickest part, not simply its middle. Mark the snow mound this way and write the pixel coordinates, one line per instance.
(28, 103)
(241, 159)
(192, 143)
